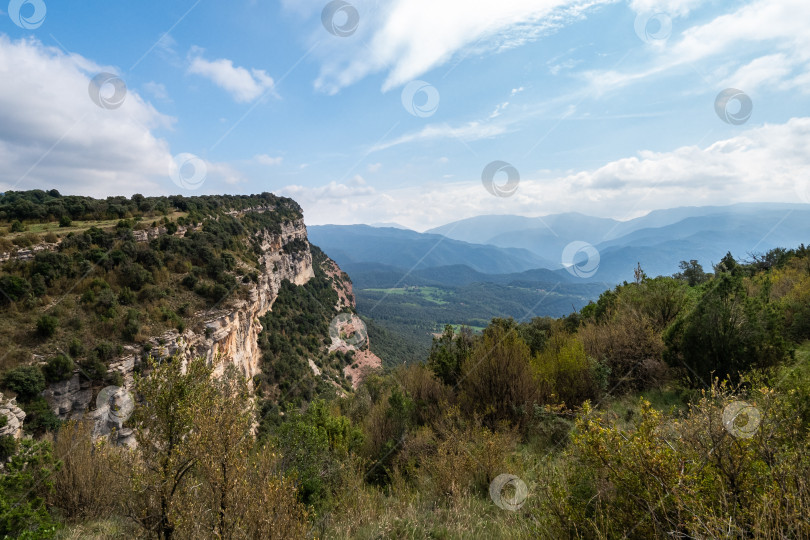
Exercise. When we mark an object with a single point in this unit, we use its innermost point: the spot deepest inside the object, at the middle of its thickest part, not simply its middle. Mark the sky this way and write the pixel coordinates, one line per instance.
(417, 112)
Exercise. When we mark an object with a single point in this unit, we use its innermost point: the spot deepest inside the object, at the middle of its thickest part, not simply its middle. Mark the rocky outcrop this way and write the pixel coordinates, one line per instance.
(14, 418)
(26, 254)
(230, 334)
(348, 334)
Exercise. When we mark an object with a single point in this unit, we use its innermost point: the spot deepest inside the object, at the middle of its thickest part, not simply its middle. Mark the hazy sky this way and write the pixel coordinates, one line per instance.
(390, 111)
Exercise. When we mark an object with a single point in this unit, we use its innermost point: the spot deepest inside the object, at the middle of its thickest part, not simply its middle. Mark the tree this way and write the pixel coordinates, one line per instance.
(315, 445)
(221, 443)
(725, 333)
(173, 398)
(691, 272)
(497, 378)
(449, 352)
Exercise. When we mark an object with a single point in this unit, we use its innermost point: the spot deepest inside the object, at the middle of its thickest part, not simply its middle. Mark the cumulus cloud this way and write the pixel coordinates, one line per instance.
(53, 135)
(767, 163)
(264, 159)
(242, 84)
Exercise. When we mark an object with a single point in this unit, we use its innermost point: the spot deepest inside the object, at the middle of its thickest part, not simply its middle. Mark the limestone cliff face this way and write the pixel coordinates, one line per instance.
(229, 333)
(14, 418)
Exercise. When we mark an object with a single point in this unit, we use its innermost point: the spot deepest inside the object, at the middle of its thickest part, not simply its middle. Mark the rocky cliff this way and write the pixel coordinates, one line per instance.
(229, 332)
(14, 417)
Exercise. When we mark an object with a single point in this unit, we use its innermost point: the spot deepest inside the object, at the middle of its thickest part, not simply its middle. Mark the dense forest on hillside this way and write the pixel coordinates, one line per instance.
(672, 406)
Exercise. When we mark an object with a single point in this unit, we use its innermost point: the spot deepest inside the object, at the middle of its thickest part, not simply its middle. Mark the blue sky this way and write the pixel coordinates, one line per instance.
(603, 107)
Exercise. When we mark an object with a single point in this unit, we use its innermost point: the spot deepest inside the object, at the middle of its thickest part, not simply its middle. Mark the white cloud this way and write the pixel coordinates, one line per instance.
(308, 195)
(780, 25)
(244, 85)
(762, 71)
(374, 167)
(410, 37)
(157, 90)
(767, 163)
(670, 7)
(470, 131)
(516, 91)
(53, 135)
(264, 159)
(499, 108)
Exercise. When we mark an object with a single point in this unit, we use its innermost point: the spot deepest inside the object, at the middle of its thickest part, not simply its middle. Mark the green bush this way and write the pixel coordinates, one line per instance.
(65, 221)
(39, 418)
(17, 226)
(58, 368)
(76, 348)
(46, 325)
(14, 288)
(93, 368)
(25, 482)
(8, 447)
(26, 381)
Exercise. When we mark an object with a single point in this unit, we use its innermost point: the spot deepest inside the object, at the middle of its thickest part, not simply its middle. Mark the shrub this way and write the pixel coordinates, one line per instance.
(726, 333)
(46, 325)
(13, 288)
(84, 485)
(58, 368)
(26, 381)
(17, 226)
(8, 447)
(565, 371)
(39, 418)
(93, 368)
(498, 381)
(23, 512)
(65, 221)
(76, 348)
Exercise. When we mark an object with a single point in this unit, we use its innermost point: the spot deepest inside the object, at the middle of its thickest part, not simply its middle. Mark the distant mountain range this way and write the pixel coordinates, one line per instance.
(494, 248)
(408, 250)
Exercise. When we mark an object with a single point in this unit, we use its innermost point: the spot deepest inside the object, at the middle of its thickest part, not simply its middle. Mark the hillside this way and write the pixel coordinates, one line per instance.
(270, 395)
(88, 302)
